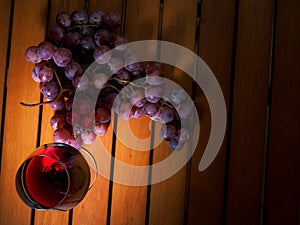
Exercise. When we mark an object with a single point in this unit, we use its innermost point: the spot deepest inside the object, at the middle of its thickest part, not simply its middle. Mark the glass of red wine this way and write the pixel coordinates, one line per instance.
(56, 177)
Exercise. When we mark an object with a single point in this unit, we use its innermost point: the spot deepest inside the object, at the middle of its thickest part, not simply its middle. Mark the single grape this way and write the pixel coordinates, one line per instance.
(137, 97)
(112, 20)
(56, 33)
(102, 115)
(88, 43)
(166, 114)
(71, 69)
(153, 93)
(72, 40)
(178, 95)
(100, 80)
(79, 17)
(39, 66)
(50, 90)
(100, 129)
(62, 57)
(135, 68)
(45, 50)
(185, 110)
(124, 110)
(102, 54)
(154, 73)
(57, 121)
(96, 17)
(132, 63)
(61, 135)
(45, 74)
(102, 37)
(88, 137)
(59, 105)
(151, 109)
(63, 19)
(115, 64)
(32, 55)
(118, 42)
(80, 82)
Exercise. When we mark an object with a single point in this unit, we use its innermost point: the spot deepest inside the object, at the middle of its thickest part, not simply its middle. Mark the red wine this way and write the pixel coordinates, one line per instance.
(56, 176)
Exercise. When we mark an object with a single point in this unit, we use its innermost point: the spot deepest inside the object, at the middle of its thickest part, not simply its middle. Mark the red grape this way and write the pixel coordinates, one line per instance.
(62, 57)
(96, 17)
(32, 55)
(45, 50)
(79, 17)
(50, 90)
(100, 129)
(56, 33)
(99, 54)
(63, 19)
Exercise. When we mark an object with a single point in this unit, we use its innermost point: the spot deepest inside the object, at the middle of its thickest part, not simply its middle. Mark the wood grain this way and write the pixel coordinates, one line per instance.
(46, 136)
(241, 186)
(20, 127)
(249, 113)
(129, 202)
(215, 48)
(93, 209)
(5, 11)
(167, 199)
(283, 172)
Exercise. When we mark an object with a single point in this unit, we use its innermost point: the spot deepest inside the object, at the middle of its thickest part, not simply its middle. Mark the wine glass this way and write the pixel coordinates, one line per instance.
(56, 177)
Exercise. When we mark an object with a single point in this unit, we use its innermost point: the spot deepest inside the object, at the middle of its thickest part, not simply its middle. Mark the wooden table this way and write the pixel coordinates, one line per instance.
(252, 46)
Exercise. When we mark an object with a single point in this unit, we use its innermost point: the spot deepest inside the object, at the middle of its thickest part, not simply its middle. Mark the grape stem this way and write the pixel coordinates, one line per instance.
(62, 90)
(47, 102)
(85, 25)
(109, 85)
(126, 82)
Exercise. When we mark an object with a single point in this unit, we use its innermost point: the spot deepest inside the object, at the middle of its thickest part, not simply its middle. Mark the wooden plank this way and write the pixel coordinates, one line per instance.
(129, 202)
(167, 200)
(215, 48)
(48, 217)
(283, 172)
(93, 209)
(5, 7)
(249, 113)
(20, 123)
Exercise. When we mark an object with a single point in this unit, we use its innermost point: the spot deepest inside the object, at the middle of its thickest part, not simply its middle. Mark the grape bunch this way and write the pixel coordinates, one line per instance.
(131, 89)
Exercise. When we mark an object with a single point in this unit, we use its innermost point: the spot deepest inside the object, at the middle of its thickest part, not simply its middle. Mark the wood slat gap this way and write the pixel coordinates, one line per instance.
(269, 110)
(152, 138)
(8, 50)
(193, 97)
(230, 108)
(114, 134)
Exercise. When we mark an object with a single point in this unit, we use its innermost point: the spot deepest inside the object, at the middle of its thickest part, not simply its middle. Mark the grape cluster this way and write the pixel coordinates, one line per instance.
(78, 40)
